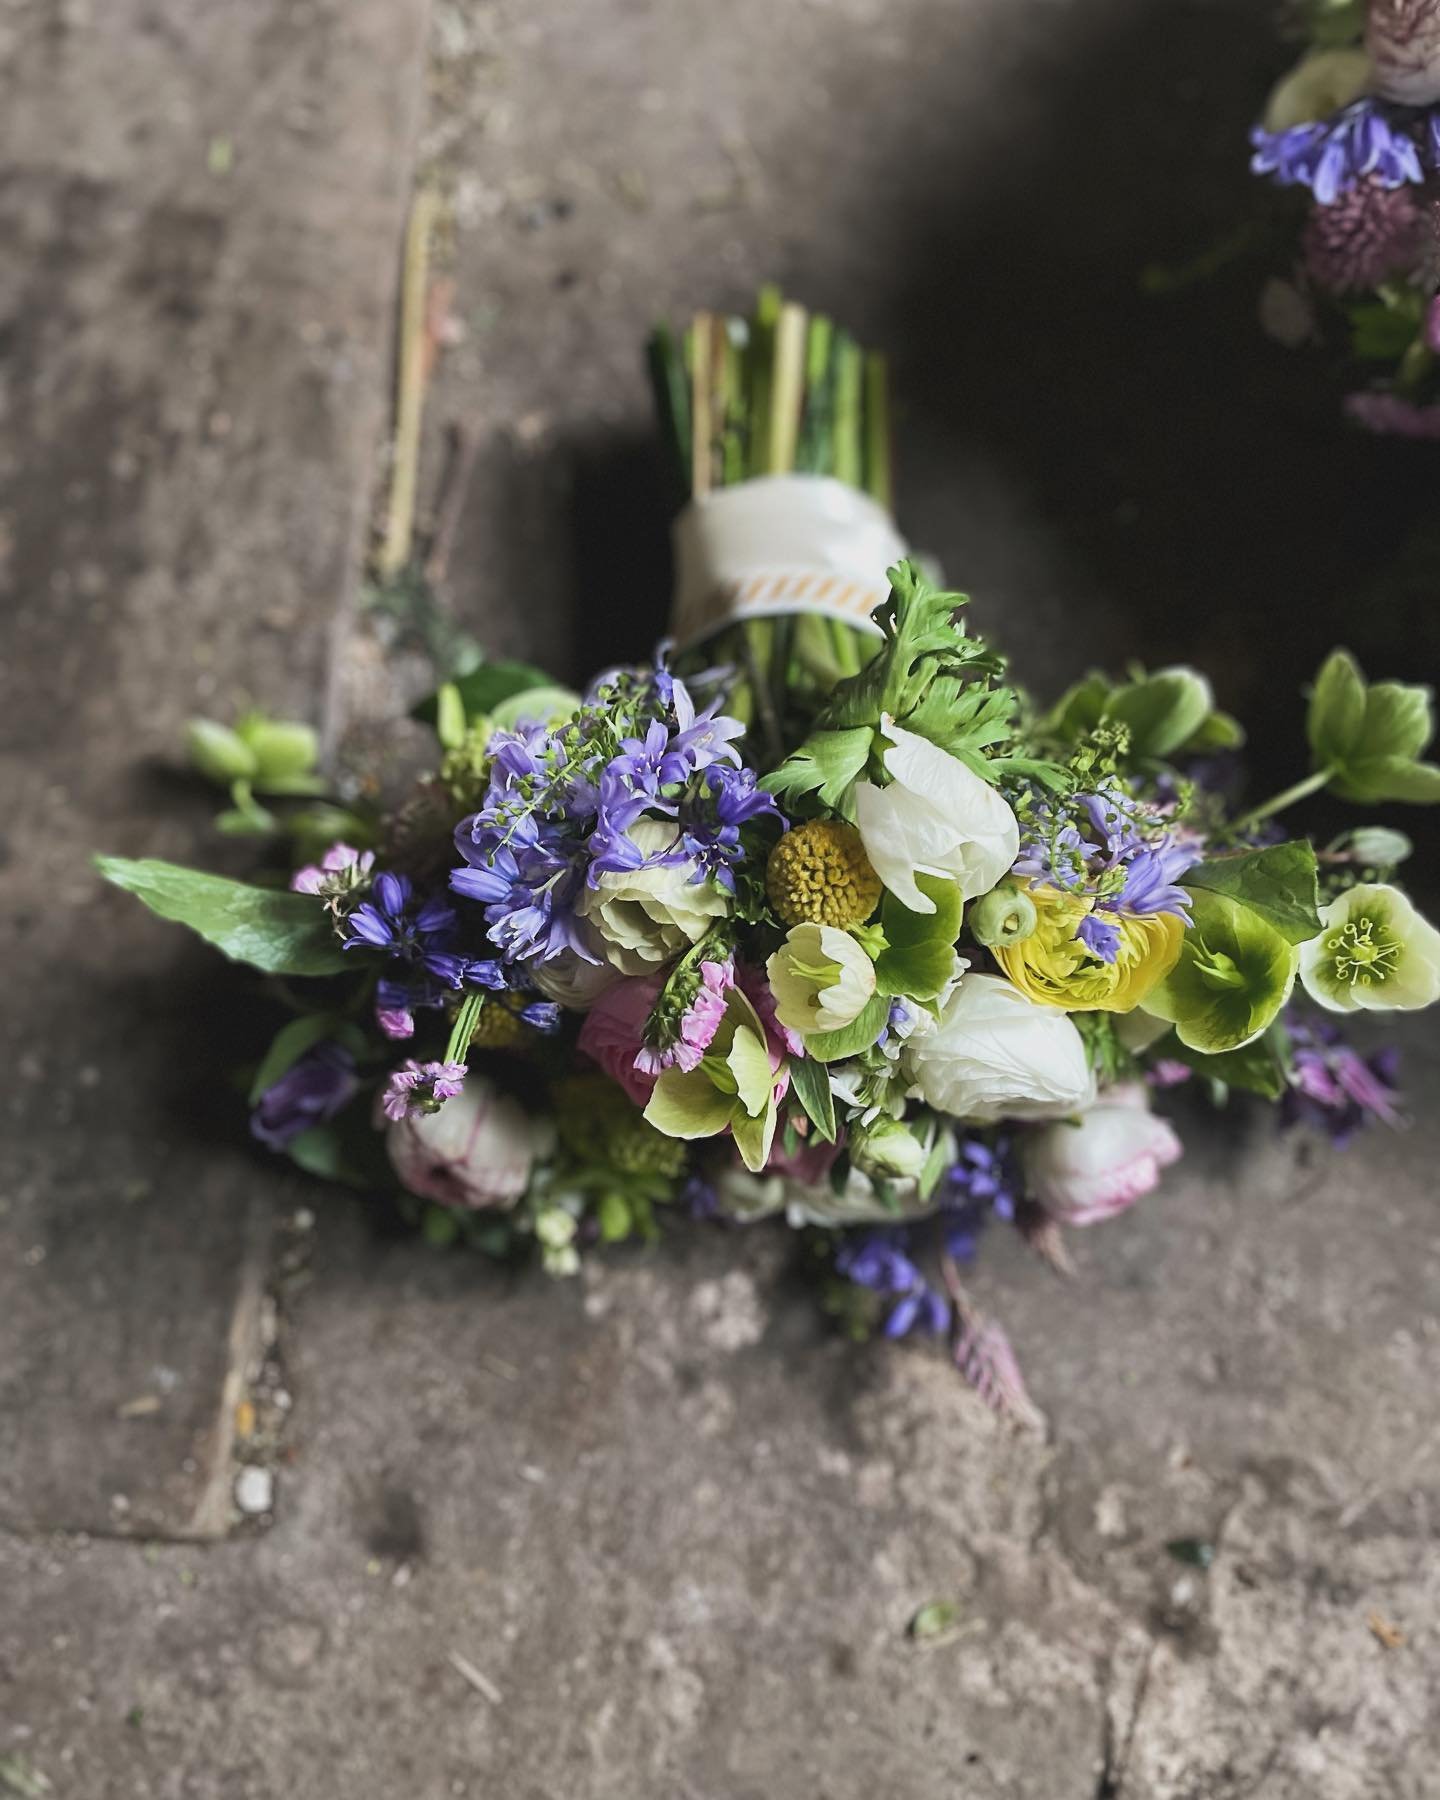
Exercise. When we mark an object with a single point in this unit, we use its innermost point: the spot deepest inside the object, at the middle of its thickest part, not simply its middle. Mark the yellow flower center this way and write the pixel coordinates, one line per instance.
(819, 874)
(1363, 955)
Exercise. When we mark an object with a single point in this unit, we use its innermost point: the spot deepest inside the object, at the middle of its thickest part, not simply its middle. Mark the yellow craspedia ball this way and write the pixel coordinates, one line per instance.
(819, 874)
(1053, 967)
(501, 1029)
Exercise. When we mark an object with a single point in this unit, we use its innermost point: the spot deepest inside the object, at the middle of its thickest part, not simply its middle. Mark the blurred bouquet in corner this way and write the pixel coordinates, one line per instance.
(815, 917)
(1354, 128)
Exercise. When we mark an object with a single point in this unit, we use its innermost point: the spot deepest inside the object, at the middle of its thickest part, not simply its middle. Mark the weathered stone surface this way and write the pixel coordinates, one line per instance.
(674, 1526)
(201, 211)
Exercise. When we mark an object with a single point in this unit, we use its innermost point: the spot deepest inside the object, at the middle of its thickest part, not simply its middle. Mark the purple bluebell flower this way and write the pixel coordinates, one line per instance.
(415, 1088)
(1333, 1088)
(1099, 936)
(1370, 137)
(979, 1185)
(878, 1260)
(407, 927)
(312, 1090)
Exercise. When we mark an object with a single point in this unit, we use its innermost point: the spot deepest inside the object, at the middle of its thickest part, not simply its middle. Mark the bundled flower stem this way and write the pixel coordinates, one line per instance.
(782, 392)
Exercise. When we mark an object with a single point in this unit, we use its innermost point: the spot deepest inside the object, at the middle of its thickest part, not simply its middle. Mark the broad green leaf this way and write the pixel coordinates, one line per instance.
(542, 705)
(1078, 710)
(849, 1040)
(1218, 732)
(811, 1087)
(218, 753)
(282, 748)
(1398, 720)
(1257, 1067)
(482, 690)
(1372, 779)
(919, 957)
(1337, 709)
(450, 721)
(277, 932)
(439, 1227)
(1280, 883)
(1161, 711)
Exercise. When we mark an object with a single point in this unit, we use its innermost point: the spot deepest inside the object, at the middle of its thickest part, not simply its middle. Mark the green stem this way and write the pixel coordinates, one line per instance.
(463, 1029)
(1312, 784)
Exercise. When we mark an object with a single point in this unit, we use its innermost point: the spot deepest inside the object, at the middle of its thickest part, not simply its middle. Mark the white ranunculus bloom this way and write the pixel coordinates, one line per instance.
(572, 982)
(1086, 1172)
(996, 1055)
(648, 917)
(936, 818)
(857, 1204)
(821, 979)
(1376, 953)
(476, 1151)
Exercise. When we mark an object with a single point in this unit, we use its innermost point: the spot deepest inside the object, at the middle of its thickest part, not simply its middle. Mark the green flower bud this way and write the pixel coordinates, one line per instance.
(282, 748)
(218, 753)
(1006, 915)
(886, 1148)
(1378, 847)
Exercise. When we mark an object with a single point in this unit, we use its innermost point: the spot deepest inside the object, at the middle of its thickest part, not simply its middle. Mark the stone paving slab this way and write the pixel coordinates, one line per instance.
(201, 209)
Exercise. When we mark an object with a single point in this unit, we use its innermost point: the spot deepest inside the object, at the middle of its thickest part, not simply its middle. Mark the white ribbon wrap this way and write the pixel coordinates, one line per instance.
(781, 544)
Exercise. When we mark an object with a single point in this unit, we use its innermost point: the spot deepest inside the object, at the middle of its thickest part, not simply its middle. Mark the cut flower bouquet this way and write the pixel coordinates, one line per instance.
(816, 915)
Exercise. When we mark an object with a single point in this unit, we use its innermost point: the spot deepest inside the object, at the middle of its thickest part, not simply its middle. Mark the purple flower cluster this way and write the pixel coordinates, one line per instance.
(1334, 1088)
(312, 1090)
(1112, 848)
(419, 937)
(562, 800)
(415, 1088)
(1395, 145)
(878, 1260)
(979, 1185)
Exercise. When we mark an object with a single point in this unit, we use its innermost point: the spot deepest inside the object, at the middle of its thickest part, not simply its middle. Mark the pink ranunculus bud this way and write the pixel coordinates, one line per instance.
(613, 1033)
(1091, 1170)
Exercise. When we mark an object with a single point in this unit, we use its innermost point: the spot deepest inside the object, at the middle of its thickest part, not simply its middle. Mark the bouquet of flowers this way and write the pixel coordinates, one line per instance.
(817, 916)
(1356, 126)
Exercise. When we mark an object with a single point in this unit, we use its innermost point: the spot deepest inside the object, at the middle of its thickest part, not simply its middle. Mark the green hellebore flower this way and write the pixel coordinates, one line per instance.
(1234, 974)
(1376, 954)
(732, 1090)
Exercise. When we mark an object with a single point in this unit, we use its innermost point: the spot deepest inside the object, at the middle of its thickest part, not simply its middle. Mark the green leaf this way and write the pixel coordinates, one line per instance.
(615, 1218)
(811, 1087)
(935, 1620)
(1219, 732)
(218, 753)
(439, 1227)
(849, 1040)
(828, 764)
(450, 721)
(291, 1042)
(1078, 710)
(1280, 883)
(1337, 710)
(543, 705)
(1377, 778)
(323, 1152)
(482, 690)
(1257, 1067)
(283, 749)
(277, 932)
(919, 956)
(1161, 711)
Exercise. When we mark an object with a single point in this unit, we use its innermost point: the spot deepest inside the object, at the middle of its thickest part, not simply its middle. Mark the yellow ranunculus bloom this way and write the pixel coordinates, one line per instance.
(1053, 967)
